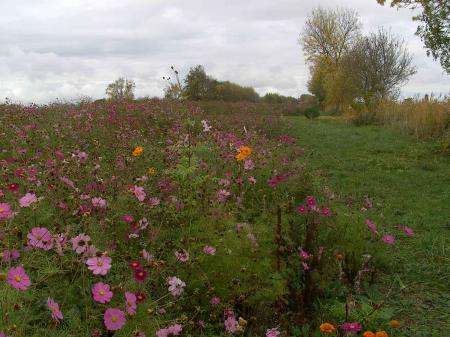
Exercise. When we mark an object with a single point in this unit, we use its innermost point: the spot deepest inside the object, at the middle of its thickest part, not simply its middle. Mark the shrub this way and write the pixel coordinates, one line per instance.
(312, 113)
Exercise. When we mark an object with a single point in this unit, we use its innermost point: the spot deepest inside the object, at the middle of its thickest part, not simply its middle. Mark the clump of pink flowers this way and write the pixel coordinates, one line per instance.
(40, 237)
(274, 332)
(208, 250)
(173, 330)
(27, 200)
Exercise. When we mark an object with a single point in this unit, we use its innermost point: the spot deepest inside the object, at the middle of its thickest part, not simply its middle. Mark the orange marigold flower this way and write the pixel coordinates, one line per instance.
(394, 324)
(245, 150)
(240, 157)
(138, 151)
(381, 334)
(327, 328)
(368, 334)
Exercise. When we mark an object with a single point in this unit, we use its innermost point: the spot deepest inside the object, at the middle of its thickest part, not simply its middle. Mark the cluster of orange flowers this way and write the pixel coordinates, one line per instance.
(244, 152)
(137, 151)
(330, 328)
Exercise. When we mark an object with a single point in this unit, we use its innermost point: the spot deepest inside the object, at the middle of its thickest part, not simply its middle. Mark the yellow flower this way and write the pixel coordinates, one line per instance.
(138, 151)
(327, 328)
(151, 171)
(245, 150)
(240, 157)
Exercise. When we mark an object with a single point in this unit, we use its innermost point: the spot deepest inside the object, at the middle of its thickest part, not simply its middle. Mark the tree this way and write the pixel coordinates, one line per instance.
(121, 89)
(329, 33)
(381, 64)
(198, 85)
(434, 27)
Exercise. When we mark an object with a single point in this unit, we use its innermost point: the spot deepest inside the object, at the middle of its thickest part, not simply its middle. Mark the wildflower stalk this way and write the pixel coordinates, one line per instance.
(278, 238)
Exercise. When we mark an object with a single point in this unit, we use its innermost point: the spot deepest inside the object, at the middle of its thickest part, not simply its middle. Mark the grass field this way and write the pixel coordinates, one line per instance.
(409, 184)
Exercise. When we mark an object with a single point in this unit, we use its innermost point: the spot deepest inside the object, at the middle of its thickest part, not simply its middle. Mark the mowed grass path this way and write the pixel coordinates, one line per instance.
(409, 183)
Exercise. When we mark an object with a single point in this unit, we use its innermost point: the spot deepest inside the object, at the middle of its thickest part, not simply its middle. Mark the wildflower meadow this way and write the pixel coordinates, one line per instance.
(160, 218)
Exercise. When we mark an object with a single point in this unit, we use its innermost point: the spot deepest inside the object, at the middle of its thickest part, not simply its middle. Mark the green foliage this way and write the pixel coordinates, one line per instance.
(312, 113)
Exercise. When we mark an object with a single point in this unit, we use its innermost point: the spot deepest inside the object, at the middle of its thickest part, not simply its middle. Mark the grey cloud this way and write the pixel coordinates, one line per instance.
(65, 49)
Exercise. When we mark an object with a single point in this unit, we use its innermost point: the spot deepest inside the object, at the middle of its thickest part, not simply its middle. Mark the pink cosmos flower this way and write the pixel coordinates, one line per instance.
(18, 279)
(5, 211)
(134, 265)
(102, 293)
(352, 328)
(388, 239)
(273, 332)
(224, 182)
(99, 265)
(175, 329)
(98, 202)
(40, 237)
(153, 201)
(249, 165)
(408, 231)
(305, 266)
(139, 193)
(176, 286)
(326, 212)
(10, 255)
(114, 319)
(182, 255)
(54, 308)
(215, 300)
(252, 180)
(80, 243)
(222, 195)
(206, 126)
(372, 226)
(130, 303)
(27, 200)
(231, 324)
(208, 250)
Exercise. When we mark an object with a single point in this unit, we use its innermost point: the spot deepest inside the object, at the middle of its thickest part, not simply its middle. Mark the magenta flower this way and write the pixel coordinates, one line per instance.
(408, 231)
(222, 195)
(303, 254)
(215, 300)
(114, 319)
(5, 211)
(80, 243)
(18, 279)
(310, 201)
(352, 328)
(372, 226)
(128, 218)
(27, 200)
(302, 210)
(176, 286)
(140, 275)
(273, 332)
(130, 303)
(175, 329)
(305, 266)
(2, 334)
(99, 265)
(231, 324)
(388, 239)
(40, 237)
(102, 293)
(208, 250)
(54, 308)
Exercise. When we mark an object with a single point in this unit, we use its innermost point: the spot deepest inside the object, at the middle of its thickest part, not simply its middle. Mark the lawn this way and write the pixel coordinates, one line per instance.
(408, 183)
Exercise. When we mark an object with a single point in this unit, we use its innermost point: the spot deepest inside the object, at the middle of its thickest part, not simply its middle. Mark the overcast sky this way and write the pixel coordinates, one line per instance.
(69, 48)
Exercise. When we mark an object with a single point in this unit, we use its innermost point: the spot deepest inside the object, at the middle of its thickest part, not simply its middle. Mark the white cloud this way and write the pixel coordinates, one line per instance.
(65, 49)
